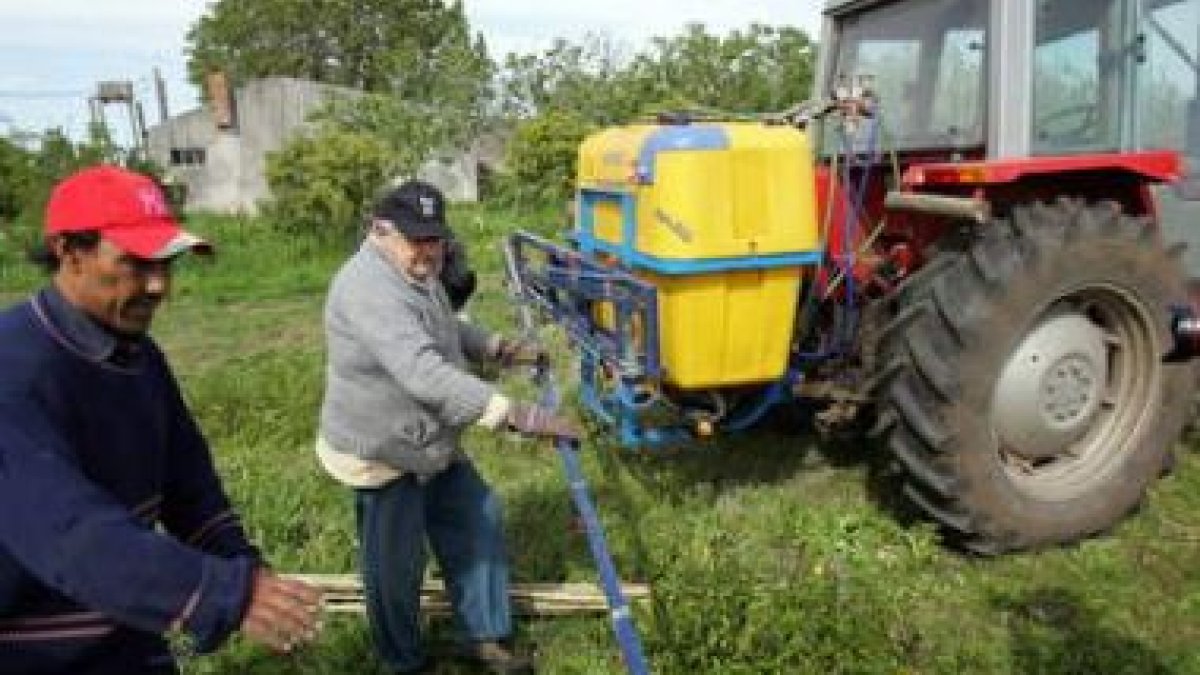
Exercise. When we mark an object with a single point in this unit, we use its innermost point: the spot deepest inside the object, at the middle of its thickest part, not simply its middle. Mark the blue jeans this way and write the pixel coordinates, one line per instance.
(460, 515)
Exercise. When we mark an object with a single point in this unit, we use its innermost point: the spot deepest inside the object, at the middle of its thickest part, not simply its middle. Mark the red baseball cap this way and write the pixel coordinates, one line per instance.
(126, 208)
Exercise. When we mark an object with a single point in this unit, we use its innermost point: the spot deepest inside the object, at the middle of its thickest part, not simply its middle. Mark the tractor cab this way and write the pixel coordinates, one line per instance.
(959, 81)
(924, 64)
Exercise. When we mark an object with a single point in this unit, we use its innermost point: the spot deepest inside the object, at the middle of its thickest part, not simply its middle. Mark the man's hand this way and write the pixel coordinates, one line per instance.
(535, 420)
(283, 613)
(519, 353)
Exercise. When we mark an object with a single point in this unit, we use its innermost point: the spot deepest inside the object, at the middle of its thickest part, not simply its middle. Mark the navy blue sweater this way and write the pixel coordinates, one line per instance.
(113, 524)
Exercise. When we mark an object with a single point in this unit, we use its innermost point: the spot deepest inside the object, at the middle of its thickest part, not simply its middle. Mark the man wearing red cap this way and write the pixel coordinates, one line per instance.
(115, 528)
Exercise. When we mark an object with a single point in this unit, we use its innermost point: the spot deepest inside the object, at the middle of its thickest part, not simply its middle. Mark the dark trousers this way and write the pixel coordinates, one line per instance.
(460, 516)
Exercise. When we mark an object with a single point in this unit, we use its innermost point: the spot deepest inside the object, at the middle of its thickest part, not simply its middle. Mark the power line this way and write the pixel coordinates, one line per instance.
(42, 93)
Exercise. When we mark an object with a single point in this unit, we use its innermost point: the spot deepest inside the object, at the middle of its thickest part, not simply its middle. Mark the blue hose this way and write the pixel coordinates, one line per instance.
(618, 605)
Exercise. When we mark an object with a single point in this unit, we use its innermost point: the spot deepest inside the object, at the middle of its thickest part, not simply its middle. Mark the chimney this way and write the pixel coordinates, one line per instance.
(221, 99)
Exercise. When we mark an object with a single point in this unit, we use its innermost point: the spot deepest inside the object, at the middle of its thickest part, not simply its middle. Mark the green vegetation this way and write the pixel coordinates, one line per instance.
(418, 49)
(28, 174)
(429, 87)
(325, 181)
(771, 552)
(543, 152)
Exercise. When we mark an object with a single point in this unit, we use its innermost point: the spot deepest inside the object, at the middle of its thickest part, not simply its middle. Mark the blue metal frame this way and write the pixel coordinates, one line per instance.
(567, 285)
(615, 362)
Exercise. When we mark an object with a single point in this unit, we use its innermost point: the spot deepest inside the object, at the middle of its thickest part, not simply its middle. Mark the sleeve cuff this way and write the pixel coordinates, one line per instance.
(493, 346)
(495, 413)
(220, 602)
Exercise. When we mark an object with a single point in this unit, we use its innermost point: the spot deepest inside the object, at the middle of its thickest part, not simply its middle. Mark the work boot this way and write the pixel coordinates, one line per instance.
(494, 657)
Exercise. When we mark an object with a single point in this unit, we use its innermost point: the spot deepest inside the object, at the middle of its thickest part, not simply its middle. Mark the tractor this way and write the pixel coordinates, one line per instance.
(969, 247)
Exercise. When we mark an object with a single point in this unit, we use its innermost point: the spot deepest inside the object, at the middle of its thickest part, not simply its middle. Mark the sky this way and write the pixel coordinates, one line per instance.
(53, 52)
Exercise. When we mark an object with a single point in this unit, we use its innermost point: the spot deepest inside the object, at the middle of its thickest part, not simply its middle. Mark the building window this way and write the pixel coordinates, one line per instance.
(187, 156)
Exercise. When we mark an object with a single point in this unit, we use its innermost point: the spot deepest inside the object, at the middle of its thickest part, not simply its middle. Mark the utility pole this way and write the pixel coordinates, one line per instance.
(160, 91)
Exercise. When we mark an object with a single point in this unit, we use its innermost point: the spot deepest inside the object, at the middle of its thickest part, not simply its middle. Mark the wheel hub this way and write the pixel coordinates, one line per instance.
(1051, 387)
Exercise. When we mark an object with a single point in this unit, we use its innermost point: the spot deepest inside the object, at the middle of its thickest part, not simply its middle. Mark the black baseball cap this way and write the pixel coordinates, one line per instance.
(416, 208)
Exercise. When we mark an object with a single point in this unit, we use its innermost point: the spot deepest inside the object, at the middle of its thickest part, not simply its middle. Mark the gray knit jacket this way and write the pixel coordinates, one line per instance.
(397, 388)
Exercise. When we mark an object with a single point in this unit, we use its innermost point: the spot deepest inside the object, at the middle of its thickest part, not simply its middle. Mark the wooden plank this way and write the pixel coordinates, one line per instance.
(343, 595)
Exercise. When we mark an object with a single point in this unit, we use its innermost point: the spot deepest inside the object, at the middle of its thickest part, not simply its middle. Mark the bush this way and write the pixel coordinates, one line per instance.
(324, 183)
(27, 176)
(18, 174)
(326, 180)
(541, 157)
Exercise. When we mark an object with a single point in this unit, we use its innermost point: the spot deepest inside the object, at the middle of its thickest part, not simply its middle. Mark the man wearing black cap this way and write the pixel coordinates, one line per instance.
(398, 395)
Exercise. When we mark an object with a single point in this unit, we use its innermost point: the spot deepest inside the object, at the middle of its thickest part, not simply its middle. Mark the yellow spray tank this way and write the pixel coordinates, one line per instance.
(720, 218)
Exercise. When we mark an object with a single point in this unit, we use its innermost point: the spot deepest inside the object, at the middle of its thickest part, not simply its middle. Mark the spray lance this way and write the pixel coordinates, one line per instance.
(568, 450)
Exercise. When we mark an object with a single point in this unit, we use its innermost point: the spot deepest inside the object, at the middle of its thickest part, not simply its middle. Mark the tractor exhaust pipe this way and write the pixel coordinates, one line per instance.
(958, 208)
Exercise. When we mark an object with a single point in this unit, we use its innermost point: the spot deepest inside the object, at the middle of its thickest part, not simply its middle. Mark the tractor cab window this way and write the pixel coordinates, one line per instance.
(1079, 76)
(1168, 100)
(1169, 79)
(1170, 76)
(926, 61)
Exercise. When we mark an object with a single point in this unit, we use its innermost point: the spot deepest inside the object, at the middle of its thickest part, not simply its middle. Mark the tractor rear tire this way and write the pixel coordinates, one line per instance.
(1021, 390)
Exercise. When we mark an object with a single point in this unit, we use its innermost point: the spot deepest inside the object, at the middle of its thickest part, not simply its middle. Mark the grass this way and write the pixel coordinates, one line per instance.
(768, 553)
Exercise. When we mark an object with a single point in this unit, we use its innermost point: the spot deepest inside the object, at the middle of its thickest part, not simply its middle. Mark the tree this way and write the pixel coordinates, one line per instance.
(426, 84)
(764, 68)
(590, 79)
(411, 129)
(560, 94)
(414, 49)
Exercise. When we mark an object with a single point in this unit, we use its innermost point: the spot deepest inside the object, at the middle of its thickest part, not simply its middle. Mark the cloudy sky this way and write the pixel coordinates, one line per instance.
(53, 52)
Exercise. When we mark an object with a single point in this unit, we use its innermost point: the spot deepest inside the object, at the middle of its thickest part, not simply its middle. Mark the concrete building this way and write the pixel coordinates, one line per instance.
(219, 151)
